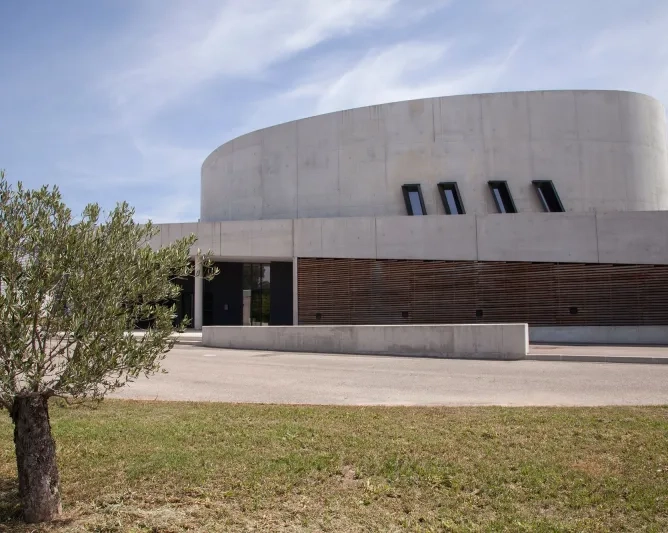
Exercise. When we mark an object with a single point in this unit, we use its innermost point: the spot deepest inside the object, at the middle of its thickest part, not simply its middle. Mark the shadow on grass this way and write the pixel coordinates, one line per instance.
(10, 503)
(11, 513)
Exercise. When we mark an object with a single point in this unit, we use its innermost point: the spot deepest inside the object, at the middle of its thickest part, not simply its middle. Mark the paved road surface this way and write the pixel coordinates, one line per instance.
(209, 374)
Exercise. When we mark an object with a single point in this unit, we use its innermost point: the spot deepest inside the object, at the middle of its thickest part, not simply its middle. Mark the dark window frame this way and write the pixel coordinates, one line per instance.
(538, 185)
(413, 187)
(451, 186)
(502, 187)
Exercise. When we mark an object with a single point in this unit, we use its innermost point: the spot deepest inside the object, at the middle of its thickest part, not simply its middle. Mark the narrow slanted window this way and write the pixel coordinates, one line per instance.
(452, 200)
(502, 198)
(548, 196)
(413, 199)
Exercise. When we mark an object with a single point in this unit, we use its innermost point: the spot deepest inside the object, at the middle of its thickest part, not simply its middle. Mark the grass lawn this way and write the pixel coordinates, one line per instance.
(159, 467)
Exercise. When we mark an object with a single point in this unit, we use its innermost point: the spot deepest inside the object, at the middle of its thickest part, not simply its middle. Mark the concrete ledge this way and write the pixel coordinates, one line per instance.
(459, 341)
(639, 359)
(631, 335)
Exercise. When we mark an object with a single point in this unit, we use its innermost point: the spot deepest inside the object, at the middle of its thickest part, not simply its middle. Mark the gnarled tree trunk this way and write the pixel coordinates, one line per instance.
(39, 485)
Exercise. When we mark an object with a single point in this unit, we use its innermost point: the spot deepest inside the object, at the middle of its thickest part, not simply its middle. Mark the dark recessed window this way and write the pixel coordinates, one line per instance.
(478, 313)
(548, 196)
(502, 198)
(452, 201)
(573, 310)
(413, 199)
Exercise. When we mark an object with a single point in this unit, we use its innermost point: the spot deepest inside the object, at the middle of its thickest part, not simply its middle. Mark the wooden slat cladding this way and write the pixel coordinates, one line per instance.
(367, 291)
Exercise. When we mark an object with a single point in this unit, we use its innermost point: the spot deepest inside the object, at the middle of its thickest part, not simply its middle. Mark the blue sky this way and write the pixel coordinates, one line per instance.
(123, 99)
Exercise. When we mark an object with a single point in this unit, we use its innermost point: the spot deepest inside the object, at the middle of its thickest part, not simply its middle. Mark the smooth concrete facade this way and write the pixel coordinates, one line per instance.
(604, 151)
(632, 335)
(461, 341)
(330, 187)
(618, 238)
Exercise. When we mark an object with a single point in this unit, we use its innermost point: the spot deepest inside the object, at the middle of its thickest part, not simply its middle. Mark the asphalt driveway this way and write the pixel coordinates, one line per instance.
(208, 374)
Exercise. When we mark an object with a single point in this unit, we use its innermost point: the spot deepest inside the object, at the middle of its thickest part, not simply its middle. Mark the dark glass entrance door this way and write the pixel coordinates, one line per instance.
(257, 294)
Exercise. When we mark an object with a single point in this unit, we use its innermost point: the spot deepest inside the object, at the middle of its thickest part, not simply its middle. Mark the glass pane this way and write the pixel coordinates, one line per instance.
(256, 308)
(499, 201)
(246, 280)
(266, 294)
(452, 205)
(549, 197)
(256, 278)
(416, 206)
(266, 307)
(542, 198)
(246, 321)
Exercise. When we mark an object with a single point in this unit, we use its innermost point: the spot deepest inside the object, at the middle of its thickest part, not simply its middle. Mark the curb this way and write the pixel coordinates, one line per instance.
(639, 360)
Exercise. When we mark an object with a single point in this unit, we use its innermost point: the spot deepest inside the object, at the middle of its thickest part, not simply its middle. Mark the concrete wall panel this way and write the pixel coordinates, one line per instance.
(336, 237)
(603, 180)
(457, 118)
(631, 335)
(361, 125)
(604, 150)
(638, 116)
(598, 116)
(615, 237)
(362, 187)
(631, 238)
(505, 117)
(559, 237)
(552, 116)
(409, 122)
(279, 172)
(468, 341)
(432, 237)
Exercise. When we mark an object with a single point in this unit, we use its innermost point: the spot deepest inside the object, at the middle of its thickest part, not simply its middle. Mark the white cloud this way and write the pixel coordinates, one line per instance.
(184, 46)
(177, 206)
(403, 71)
(407, 71)
(237, 38)
(305, 57)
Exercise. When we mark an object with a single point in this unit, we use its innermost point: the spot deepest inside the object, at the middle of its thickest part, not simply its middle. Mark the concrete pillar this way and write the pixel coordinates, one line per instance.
(295, 293)
(199, 294)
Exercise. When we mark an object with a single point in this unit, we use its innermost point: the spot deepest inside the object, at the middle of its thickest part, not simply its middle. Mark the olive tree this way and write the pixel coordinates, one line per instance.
(71, 292)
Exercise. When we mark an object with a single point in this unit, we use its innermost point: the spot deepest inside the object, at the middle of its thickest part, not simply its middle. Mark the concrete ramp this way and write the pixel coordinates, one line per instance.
(457, 341)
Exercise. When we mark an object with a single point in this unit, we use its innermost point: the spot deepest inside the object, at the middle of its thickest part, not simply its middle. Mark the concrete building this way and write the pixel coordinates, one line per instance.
(549, 208)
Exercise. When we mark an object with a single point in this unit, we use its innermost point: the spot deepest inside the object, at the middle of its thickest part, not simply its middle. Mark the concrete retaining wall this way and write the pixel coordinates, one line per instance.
(652, 335)
(468, 341)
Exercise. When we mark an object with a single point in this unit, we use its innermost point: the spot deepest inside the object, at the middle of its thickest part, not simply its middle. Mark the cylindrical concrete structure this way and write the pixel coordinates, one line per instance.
(603, 150)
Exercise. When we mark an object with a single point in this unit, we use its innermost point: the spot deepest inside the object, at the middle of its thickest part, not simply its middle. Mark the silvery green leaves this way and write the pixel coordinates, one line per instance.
(72, 288)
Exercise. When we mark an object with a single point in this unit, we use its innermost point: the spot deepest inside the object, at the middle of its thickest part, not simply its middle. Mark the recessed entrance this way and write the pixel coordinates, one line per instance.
(249, 294)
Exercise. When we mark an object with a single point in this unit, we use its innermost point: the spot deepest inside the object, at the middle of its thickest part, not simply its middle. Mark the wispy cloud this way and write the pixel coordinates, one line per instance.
(189, 47)
(407, 71)
(160, 83)
(232, 39)
(404, 71)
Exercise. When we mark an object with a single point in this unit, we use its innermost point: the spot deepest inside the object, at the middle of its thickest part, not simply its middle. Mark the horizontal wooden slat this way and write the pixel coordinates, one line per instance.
(367, 291)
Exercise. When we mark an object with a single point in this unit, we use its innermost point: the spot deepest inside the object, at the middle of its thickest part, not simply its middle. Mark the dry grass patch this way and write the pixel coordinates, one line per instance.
(171, 467)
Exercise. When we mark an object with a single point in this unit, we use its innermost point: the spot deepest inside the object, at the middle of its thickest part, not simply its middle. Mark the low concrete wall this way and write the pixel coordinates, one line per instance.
(471, 341)
(652, 335)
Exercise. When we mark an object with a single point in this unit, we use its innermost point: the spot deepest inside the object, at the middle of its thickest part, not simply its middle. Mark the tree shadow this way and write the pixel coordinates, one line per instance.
(10, 503)
(11, 513)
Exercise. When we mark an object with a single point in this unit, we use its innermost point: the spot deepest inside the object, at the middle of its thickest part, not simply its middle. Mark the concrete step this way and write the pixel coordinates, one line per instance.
(599, 353)
(599, 359)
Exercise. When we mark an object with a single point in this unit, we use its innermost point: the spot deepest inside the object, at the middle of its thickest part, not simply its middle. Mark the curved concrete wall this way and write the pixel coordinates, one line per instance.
(604, 150)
